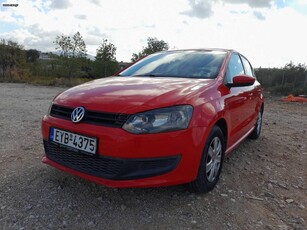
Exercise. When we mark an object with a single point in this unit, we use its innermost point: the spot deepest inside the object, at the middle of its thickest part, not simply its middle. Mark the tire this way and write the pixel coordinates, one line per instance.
(255, 134)
(211, 162)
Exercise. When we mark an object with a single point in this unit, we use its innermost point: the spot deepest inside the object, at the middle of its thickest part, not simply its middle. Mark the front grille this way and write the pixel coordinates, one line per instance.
(91, 117)
(109, 168)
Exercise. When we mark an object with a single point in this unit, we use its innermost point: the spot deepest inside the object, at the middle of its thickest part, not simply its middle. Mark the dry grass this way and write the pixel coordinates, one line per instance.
(46, 81)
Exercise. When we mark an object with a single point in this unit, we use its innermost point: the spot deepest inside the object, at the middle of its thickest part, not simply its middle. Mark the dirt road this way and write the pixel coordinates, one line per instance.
(263, 183)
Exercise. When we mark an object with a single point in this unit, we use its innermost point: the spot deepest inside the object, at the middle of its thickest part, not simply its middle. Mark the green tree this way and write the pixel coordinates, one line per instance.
(72, 53)
(287, 80)
(78, 46)
(105, 63)
(68, 47)
(32, 55)
(106, 51)
(153, 45)
(12, 57)
(63, 43)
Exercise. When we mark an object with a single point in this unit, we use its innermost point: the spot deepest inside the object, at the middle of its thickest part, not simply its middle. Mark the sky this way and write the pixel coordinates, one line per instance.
(270, 33)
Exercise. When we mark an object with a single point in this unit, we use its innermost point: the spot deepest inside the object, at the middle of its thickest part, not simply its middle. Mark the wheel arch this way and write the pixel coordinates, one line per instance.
(221, 123)
(262, 107)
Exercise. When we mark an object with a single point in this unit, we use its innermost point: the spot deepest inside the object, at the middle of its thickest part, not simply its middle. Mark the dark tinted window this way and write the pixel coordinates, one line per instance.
(191, 64)
(235, 68)
(247, 67)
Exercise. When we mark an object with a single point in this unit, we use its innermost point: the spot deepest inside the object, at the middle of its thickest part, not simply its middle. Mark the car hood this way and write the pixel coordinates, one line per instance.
(132, 94)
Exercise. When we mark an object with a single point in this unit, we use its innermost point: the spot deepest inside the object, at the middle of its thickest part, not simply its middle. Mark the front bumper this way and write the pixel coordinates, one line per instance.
(109, 167)
(128, 160)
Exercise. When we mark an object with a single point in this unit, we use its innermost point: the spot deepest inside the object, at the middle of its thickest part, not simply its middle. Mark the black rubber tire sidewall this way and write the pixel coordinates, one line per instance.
(255, 134)
(201, 184)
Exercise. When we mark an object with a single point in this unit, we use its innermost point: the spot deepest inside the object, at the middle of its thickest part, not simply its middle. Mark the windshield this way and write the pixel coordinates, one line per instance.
(190, 64)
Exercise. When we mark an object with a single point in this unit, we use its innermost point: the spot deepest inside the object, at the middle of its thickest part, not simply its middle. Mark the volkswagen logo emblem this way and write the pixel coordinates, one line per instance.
(77, 114)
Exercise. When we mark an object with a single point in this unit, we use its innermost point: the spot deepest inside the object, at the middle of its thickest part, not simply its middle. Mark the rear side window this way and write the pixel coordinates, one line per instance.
(247, 67)
(235, 67)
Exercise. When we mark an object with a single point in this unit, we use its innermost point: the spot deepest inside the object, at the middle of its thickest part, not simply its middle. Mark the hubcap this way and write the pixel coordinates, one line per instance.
(214, 156)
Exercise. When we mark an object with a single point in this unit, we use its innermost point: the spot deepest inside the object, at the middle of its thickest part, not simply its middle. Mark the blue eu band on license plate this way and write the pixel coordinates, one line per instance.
(73, 140)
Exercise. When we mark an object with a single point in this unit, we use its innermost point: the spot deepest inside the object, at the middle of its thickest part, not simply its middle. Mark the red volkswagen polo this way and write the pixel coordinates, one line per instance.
(168, 119)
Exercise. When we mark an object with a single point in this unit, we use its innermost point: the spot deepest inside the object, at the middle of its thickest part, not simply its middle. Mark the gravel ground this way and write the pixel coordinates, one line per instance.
(263, 183)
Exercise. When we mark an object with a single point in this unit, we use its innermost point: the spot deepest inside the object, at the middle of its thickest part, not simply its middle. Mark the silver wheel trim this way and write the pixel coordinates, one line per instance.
(213, 160)
(259, 120)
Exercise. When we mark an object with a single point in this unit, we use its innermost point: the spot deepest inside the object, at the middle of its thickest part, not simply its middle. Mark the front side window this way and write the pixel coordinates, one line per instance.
(247, 67)
(235, 68)
(188, 64)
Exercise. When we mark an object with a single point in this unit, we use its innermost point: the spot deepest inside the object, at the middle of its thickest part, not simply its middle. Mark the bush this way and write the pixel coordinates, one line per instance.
(16, 75)
(300, 91)
(57, 81)
(287, 89)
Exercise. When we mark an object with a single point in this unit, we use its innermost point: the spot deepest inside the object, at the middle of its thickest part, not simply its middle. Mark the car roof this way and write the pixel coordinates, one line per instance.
(202, 49)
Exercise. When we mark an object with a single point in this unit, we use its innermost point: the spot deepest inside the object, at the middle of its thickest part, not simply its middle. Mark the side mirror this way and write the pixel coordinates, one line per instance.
(241, 80)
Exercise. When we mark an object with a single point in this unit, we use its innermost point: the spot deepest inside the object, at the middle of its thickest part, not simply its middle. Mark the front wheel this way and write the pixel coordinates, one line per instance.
(255, 134)
(211, 162)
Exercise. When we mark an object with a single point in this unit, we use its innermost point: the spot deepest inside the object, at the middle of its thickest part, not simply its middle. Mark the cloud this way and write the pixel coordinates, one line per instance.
(40, 38)
(60, 4)
(204, 8)
(81, 16)
(36, 39)
(93, 40)
(35, 25)
(200, 8)
(252, 3)
(150, 26)
(259, 15)
(96, 2)
(95, 31)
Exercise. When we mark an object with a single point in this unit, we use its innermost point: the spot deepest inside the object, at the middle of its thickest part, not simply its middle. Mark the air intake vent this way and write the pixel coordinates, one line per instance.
(91, 117)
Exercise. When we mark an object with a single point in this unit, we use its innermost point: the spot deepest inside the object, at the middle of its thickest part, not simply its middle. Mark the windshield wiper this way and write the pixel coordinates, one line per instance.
(152, 75)
(147, 75)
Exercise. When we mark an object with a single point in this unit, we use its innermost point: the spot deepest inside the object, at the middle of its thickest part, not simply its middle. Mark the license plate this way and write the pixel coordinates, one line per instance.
(73, 140)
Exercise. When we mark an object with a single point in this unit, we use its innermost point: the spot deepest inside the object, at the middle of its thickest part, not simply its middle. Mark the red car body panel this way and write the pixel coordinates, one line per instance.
(132, 94)
(120, 144)
(212, 102)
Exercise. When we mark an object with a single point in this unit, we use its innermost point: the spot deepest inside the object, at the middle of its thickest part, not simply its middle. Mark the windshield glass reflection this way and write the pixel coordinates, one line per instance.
(190, 64)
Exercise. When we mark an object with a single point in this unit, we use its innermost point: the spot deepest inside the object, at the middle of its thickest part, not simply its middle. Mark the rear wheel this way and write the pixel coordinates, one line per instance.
(211, 162)
(257, 130)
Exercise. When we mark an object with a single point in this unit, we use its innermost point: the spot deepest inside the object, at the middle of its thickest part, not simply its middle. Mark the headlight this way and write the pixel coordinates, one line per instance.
(160, 120)
(49, 109)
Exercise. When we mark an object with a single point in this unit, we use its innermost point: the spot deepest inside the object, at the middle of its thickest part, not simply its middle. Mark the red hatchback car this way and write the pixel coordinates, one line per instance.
(168, 119)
